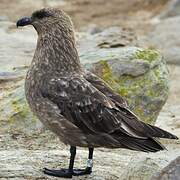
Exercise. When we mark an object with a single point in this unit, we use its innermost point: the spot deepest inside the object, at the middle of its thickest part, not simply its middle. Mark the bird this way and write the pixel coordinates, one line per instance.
(75, 104)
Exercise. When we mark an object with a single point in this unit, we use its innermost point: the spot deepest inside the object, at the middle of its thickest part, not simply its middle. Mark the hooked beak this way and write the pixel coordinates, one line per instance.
(24, 21)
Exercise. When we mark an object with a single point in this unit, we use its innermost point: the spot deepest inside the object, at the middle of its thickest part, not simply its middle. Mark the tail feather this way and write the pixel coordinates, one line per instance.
(145, 145)
(140, 128)
(160, 133)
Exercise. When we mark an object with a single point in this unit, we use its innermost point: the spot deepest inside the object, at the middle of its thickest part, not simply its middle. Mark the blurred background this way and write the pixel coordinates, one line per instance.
(134, 45)
(133, 13)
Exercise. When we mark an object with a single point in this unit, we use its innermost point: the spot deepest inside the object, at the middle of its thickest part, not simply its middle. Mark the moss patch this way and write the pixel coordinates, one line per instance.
(21, 111)
(107, 74)
(147, 54)
(145, 94)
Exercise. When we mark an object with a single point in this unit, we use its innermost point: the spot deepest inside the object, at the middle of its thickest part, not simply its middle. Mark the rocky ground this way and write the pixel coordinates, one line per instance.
(23, 154)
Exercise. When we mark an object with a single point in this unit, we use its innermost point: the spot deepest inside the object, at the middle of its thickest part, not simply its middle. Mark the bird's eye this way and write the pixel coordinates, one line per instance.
(41, 14)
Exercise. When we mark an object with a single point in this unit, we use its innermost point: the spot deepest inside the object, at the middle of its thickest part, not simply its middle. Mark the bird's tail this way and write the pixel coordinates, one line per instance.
(138, 127)
(137, 144)
(160, 133)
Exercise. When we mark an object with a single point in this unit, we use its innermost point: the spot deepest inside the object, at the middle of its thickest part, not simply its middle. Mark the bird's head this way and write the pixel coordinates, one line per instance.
(56, 45)
(46, 19)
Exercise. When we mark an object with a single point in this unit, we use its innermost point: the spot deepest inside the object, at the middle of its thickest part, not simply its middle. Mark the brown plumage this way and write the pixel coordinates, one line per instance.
(75, 104)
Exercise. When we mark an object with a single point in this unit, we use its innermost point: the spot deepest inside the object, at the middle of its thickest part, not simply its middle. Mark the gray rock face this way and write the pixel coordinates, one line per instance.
(171, 9)
(138, 74)
(3, 18)
(16, 47)
(166, 37)
(170, 172)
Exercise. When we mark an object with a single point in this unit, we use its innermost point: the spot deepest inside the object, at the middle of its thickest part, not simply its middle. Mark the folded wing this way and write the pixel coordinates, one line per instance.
(94, 113)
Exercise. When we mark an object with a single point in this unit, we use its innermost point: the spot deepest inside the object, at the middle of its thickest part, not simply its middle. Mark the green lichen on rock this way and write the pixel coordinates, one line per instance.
(21, 111)
(106, 71)
(16, 112)
(146, 93)
(147, 54)
(107, 74)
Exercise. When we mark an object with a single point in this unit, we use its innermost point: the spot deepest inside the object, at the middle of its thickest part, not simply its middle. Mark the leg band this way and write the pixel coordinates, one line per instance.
(89, 163)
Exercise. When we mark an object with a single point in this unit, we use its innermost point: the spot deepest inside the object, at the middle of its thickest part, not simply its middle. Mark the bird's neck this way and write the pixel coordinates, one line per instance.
(56, 53)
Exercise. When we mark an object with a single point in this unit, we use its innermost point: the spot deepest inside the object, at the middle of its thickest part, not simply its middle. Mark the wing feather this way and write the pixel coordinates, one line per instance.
(94, 112)
(130, 122)
(103, 87)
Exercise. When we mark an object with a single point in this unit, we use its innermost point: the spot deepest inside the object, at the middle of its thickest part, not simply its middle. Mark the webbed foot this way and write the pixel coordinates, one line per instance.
(66, 173)
(58, 173)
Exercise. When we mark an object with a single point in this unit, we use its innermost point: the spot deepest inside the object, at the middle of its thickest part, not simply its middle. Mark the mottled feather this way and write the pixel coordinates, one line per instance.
(95, 113)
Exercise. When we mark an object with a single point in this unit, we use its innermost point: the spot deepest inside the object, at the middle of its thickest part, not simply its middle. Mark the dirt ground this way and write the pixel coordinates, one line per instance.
(131, 13)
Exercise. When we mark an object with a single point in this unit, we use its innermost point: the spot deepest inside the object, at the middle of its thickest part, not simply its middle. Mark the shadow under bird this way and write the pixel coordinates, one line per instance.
(79, 107)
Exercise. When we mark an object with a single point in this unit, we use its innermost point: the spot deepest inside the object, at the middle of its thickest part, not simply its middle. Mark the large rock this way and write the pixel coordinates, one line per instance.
(170, 172)
(15, 55)
(140, 75)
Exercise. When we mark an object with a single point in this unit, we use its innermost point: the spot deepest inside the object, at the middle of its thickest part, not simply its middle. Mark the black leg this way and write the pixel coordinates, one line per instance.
(88, 169)
(72, 157)
(68, 173)
(90, 153)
